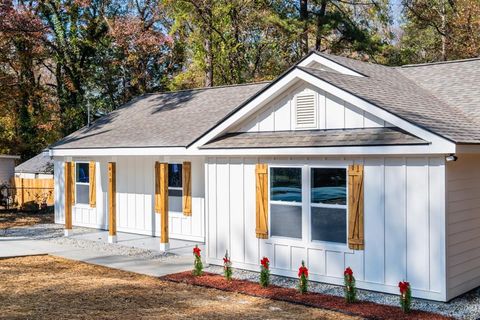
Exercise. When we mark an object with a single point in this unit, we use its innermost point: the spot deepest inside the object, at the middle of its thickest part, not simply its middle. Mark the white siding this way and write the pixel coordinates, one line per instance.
(332, 113)
(463, 229)
(7, 170)
(135, 191)
(404, 225)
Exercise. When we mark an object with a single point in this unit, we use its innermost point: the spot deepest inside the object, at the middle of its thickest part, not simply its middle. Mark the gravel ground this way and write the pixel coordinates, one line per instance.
(466, 306)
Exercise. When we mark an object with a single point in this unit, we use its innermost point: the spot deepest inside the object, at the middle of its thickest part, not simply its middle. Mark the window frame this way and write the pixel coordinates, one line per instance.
(325, 205)
(306, 205)
(288, 203)
(176, 188)
(79, 204)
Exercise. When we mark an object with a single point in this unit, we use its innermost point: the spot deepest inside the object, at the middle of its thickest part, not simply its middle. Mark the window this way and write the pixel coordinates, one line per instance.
(175, 187)
(82, 181)
(328, 205)
(286, 202)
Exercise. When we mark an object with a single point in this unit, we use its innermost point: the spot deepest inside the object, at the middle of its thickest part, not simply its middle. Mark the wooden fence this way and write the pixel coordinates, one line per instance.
(33, 191)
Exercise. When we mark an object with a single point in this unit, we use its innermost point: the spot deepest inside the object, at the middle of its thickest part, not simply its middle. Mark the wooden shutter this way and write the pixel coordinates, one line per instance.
(157, 187)
(261, 173)
(355, 207)
(93, 184)
(72, 180)
(187, 188)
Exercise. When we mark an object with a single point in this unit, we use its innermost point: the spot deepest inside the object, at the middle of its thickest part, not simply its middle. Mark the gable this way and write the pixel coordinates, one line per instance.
(305, 107)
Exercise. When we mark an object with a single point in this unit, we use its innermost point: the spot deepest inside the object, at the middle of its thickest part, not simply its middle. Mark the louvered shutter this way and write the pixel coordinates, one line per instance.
(187, 188)
(261, 173)
(306, 111)
(355, 207)
(92, 184)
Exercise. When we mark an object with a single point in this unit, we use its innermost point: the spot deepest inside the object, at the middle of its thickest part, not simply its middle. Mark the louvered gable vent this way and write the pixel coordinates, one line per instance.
(306, 111)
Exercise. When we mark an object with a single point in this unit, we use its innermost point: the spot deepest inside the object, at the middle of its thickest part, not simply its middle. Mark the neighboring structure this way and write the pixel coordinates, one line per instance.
(38, 167)
(337, 162)
(7, 168)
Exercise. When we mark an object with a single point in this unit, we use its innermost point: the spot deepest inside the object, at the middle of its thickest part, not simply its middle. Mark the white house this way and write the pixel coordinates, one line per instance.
(337, 162)
(7, 168)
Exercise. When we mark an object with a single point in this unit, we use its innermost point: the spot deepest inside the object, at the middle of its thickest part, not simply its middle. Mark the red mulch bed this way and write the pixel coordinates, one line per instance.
(368, 310)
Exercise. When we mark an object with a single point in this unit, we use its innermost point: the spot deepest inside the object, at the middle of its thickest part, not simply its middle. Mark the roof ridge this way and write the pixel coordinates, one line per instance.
(207, 88)
(438, 62)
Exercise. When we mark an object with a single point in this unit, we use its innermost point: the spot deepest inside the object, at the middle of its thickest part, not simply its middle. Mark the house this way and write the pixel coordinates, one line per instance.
(336, 162)
(7, 168)
(38, 167)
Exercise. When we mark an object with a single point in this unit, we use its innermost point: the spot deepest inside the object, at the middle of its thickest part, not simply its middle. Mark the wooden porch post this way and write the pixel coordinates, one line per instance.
(68, 185)
(163, 179)
(112, 197)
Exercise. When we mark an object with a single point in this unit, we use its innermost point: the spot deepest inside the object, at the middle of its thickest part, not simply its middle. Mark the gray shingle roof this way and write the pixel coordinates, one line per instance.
(397, 94)
(455, 82)
(41, 163)
(315, 138)
(172, 119)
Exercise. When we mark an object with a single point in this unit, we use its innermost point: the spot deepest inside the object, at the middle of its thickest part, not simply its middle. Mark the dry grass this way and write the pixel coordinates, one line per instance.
(55, 288)
(23, 219)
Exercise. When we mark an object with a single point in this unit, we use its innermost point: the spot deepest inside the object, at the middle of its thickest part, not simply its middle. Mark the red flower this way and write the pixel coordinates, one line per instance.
(348, 271)
(265, 262)
(226, 260)
(404, 286)
(303, 271)
(196, 251)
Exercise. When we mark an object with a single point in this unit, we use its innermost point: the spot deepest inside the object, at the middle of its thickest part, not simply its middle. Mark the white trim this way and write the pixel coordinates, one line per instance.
(315, 57)
(134, 151)
(296, 75)
(4, 156)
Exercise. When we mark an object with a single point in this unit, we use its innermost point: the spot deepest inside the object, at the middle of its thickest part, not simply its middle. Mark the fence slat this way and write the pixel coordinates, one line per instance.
(33, 190)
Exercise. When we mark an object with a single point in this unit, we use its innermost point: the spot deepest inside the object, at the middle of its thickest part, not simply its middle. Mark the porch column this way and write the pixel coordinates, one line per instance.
(162, 194)
(68, 190)
(112, 206)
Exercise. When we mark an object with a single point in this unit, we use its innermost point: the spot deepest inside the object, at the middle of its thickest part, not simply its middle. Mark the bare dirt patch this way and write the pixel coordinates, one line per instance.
(369, 310)
(15, 219)
(54, 288)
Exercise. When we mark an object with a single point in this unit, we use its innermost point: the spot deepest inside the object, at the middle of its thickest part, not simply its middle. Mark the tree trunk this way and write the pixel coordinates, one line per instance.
(443, 35)
(304, 19)
(320, 23)
(208, 46)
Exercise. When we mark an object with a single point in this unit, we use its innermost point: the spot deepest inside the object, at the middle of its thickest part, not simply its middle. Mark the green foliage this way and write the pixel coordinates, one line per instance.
(265, 272)
(303, 278)
(227, 267)
(197, 264)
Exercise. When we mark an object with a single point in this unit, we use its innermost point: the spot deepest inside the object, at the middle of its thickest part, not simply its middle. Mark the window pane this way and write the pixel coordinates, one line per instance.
(82, 194)
(175, 175)
(286, 221)
(82, 172)
(286, 184)
(329, 224)
(175, 204)
(329, 186)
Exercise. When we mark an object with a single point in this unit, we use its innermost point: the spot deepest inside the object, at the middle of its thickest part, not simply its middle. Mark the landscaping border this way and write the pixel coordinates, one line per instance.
(367, 310)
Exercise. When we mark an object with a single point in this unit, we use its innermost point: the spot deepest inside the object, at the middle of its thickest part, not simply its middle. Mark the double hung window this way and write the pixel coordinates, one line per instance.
(82, 183)
(175, 187)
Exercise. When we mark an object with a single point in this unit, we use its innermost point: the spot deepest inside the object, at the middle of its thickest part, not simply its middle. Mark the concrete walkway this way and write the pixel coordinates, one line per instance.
(179, 258)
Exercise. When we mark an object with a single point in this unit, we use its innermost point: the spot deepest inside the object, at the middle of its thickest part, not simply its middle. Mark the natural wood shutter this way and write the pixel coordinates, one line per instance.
(72, 180)
(187, 188)
(355, 207)
(261, 173)
(93, 184)
(157, 187)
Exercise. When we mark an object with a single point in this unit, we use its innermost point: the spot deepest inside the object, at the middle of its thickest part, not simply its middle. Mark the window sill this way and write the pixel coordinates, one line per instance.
(82, 206)
(309, 245)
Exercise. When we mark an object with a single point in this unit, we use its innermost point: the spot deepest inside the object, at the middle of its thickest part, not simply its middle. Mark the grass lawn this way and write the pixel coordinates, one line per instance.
(14, 219)
(55, 288)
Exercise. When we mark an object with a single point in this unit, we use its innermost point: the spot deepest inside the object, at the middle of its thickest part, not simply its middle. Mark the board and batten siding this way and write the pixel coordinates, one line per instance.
(332, 113)
(463, 224)
(135, 196)
(404, 225)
